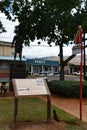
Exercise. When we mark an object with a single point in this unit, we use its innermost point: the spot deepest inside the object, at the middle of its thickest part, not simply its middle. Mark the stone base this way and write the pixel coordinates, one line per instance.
(17, 70)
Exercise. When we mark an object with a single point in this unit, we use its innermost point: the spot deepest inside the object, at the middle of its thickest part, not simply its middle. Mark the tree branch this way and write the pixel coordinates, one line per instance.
(68, 59)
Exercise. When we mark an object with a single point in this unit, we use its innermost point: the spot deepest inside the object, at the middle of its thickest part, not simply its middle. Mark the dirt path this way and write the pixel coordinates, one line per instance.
(70, 105)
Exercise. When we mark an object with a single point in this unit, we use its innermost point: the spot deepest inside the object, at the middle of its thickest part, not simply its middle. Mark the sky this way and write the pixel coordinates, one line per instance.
(35, 50)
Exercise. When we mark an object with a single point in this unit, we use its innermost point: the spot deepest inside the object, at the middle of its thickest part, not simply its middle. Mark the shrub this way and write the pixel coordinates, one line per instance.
(67, 88)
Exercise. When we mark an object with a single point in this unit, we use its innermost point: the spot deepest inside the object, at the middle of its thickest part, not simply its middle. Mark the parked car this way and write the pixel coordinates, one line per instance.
(56, 73)
(44, 73)
(50, 74)
(76, 73)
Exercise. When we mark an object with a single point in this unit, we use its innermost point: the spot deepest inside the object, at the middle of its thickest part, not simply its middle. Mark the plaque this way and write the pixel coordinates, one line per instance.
(26, 87)
(31, 87)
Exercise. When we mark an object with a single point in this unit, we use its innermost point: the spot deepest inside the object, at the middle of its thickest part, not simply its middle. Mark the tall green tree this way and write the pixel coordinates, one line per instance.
(54, 21)
(4, 8)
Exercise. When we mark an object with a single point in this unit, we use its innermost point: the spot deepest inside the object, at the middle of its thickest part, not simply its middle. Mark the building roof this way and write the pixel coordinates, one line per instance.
(5, 43)
(74, 61)
(77, 59)
(10, 58)
(51, 58)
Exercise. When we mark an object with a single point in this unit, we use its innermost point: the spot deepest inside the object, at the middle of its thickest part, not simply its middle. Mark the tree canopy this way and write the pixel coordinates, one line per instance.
(45, 19)
(51, 20)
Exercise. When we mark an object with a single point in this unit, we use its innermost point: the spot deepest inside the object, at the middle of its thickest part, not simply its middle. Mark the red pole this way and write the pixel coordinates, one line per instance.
(78, 40)
(81, 85)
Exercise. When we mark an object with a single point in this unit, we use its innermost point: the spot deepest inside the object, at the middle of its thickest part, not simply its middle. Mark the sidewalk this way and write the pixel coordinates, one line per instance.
(71, 105)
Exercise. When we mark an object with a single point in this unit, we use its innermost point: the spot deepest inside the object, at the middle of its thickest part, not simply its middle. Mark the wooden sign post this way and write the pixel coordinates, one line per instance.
(31, 87)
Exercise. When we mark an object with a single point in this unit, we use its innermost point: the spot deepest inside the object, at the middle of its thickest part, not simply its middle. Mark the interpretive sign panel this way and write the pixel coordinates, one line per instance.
(25, 87)
(31, 87)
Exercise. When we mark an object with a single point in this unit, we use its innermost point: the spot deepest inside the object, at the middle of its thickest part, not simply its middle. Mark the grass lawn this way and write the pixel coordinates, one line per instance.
(33, 109)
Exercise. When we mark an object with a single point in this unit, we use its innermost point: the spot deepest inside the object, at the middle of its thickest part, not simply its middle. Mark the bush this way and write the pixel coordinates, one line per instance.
(67, 88)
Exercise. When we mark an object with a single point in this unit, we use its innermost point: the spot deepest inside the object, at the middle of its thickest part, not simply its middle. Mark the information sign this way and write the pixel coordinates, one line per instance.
(31, 87)
(26, 87)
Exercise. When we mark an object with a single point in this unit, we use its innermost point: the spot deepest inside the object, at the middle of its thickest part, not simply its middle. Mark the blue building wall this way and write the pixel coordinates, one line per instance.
(41, 66)
(42, 62)
(35, 66)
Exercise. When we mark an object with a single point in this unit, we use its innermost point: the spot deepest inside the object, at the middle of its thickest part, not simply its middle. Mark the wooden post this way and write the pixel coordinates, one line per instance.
(15, 109)
(48, 108)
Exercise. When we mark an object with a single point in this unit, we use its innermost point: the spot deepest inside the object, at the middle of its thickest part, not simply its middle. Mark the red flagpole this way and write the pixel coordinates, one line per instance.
(78, 41)
(81, 85)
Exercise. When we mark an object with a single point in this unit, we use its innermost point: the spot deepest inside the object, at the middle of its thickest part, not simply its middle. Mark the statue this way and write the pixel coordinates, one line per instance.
(17, 41)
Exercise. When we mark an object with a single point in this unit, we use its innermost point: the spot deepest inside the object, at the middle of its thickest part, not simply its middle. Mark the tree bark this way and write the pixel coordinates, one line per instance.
(61, 62)
(68, 59)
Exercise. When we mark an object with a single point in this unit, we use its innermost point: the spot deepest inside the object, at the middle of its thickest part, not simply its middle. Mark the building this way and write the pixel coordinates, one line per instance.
(5, 49)
(35, 66)
(42, 66)
(6, 57)
(73, 65)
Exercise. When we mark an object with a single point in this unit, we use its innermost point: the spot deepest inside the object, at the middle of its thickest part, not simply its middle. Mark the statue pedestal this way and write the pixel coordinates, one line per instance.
(17, 70)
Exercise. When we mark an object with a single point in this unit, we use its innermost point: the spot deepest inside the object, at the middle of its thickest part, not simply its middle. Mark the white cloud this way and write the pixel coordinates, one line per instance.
(67, 50)
(9, 26)
(40, 51)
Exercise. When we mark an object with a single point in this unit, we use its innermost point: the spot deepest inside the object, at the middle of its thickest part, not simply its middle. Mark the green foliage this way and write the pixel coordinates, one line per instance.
(4, 6)
(46, 20)
(67, 88)
(2, 29)
(27, 72)
(43, 19)
(53, 21)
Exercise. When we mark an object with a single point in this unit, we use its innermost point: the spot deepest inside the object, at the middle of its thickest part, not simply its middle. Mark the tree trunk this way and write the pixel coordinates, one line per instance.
(61, 62)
